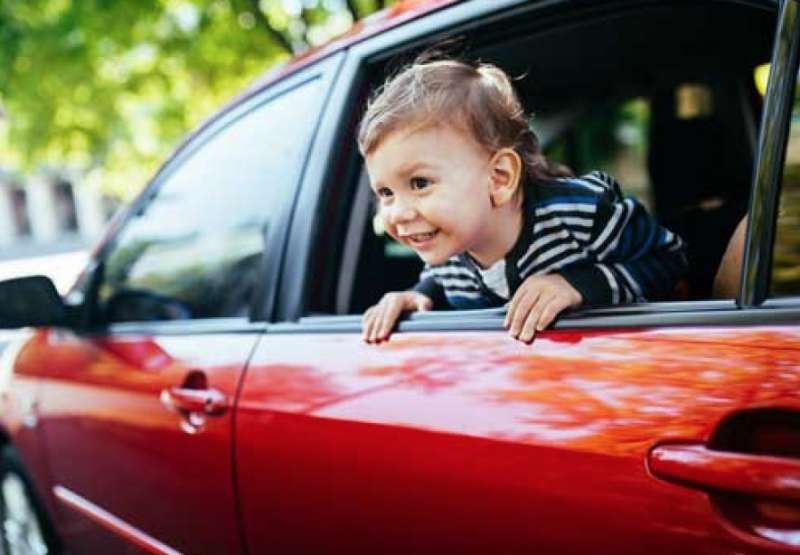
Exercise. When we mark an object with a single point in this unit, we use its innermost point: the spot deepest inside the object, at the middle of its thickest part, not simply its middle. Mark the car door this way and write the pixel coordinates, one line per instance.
(137, 410)
(656, 428)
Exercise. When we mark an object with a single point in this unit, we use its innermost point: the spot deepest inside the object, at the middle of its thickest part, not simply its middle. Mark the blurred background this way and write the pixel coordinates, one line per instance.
(95, 94)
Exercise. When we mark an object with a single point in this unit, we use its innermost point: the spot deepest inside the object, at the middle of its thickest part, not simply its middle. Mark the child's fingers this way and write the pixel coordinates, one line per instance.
(535, 321)
(555, 307)
(379, 320)
(424, 303)
(529, 328)
(374, 336)
(389, 317)
(384, 327)
(519, 310)
(518, 301)
(367, 321)
(370, 331)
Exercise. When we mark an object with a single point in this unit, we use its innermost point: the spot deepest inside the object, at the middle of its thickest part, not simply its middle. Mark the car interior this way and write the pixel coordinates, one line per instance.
(662, 96)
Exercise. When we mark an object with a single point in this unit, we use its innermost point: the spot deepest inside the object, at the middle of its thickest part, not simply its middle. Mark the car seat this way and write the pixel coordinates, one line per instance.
(700, 171)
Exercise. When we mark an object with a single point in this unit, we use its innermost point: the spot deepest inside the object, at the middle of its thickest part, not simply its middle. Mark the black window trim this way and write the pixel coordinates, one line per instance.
(646, 315)
(264, 298)
(205, 326)
(770, 156)
(454, 19)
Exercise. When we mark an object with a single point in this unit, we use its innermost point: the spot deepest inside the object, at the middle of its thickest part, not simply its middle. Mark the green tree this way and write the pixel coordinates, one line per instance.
(110, 86)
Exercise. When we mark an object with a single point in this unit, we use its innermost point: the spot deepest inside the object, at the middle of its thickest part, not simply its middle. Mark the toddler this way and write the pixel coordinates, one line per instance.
(459, 178)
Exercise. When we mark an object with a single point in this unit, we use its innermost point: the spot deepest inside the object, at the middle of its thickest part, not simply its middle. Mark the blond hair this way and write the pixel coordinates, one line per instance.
(479, 99)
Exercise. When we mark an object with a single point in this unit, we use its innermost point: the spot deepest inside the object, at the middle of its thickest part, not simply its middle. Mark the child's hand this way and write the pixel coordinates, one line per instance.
(536, 304)
(379, 320)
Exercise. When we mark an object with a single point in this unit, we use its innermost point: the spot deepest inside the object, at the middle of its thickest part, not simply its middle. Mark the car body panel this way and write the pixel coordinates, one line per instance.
(111, 441)
(455, 442)
(19, 404)
(436, 441)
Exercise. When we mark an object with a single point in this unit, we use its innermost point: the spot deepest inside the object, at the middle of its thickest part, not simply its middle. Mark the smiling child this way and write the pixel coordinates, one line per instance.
(460, 179)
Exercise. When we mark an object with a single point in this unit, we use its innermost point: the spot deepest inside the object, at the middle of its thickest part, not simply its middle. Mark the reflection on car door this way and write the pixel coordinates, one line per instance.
(137, 414)
(669, 430)
(465, 441)
(137, 462)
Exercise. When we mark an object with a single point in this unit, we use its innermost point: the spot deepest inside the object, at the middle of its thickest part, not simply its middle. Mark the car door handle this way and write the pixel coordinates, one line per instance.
(698, 466)
(206, 401)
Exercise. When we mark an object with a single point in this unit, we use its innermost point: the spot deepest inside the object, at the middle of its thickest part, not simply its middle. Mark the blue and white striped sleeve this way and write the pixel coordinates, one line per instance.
(635, 259)
(429, 286)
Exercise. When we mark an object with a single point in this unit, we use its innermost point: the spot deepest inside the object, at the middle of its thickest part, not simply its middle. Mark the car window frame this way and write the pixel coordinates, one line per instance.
(454, 19)
(757, 264)
(263, 301)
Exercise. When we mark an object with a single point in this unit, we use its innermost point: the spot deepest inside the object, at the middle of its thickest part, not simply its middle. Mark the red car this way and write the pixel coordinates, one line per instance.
(204, 388)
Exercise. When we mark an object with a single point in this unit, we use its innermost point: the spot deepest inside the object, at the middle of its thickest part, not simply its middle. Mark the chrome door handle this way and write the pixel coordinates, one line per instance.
(206, 401)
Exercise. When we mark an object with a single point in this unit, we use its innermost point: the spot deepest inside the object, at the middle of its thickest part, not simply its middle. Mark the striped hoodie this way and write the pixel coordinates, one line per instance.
(604, 244)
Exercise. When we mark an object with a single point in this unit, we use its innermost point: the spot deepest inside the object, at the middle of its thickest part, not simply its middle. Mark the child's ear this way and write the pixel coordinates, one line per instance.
(505, 174)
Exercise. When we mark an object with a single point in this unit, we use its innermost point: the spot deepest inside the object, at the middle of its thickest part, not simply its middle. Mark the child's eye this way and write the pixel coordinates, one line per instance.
(418, 183)
(384, 192)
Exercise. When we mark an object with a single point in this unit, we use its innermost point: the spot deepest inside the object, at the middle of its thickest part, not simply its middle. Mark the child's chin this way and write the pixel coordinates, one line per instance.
(434, 259)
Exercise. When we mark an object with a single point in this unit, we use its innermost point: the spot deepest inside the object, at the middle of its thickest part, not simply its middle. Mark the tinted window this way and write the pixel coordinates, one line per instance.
(196, 250)
(786, 257)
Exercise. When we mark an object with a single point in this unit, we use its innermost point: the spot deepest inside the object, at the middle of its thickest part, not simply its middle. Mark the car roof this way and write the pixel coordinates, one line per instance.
(401, 12)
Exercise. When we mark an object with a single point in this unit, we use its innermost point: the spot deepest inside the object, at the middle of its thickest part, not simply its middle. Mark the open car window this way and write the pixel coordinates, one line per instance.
(673, 116)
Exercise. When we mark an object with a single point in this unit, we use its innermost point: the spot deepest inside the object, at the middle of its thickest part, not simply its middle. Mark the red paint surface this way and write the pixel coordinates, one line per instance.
(468, 442)
(450, 442)
(109, 438)
(752, 475)
(432, 443)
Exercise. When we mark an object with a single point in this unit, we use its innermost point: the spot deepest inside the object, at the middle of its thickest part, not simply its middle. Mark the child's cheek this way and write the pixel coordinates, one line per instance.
(381, 225)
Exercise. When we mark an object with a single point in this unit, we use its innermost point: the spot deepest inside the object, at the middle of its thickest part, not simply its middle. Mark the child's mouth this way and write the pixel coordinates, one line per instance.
(421, 239)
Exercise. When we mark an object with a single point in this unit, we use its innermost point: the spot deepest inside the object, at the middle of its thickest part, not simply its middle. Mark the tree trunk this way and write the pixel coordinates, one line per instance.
(352, 7)
(274, 34)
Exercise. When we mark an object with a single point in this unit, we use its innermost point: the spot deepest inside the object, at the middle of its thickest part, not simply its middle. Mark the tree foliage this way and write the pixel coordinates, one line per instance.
(108, 87)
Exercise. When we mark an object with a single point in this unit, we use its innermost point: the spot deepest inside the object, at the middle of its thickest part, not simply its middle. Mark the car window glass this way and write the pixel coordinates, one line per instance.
(786, 254)
(196, 250)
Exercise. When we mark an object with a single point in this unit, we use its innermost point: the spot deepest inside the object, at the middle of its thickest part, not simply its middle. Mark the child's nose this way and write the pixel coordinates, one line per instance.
(401, 212)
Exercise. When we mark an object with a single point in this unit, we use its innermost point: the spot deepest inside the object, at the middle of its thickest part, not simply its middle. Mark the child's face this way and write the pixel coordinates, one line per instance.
(433, 188)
